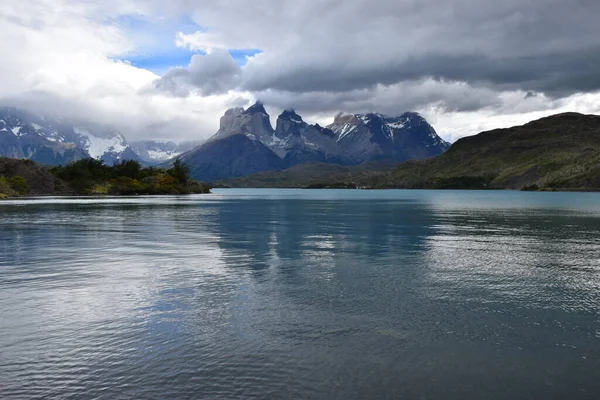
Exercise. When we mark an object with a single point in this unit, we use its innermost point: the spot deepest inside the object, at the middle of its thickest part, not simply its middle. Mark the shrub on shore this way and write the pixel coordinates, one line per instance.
(128, 177)
(13, 186)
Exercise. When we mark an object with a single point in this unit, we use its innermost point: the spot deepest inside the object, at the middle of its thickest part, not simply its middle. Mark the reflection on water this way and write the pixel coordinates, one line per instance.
(302, 294)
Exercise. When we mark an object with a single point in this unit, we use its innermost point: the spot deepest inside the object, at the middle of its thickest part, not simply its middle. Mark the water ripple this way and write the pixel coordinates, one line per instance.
(301, 294)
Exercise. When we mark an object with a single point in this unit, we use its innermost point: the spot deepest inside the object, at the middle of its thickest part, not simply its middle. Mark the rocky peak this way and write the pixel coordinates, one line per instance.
(289, 123)
(253, 122)
(290, 115)
(229, 120)
(345, 118)
(256, 108)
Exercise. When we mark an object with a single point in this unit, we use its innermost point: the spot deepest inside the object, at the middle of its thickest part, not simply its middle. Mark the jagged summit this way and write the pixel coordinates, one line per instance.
(344, 118)
(253, 122)
(256, 108)
(373, 136)
(291, 115)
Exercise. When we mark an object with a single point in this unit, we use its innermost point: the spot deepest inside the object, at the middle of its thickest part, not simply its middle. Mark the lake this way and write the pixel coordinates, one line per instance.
(319, 294)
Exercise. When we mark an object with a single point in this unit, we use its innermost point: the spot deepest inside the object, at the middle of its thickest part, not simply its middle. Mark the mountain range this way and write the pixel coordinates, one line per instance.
(559, 152)
(246, 142)
(54, 141)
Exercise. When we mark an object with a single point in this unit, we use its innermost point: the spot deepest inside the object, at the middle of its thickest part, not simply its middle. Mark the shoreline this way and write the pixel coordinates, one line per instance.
(91, 196)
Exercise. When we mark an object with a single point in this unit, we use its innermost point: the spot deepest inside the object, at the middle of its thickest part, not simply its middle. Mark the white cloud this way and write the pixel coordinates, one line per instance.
(62, 59)
(214, 73)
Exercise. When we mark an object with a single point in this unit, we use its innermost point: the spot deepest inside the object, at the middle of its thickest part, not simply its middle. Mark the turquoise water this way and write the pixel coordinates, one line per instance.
(321, 294)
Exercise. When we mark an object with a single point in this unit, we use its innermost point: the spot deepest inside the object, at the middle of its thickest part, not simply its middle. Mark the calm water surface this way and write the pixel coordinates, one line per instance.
(271, 294)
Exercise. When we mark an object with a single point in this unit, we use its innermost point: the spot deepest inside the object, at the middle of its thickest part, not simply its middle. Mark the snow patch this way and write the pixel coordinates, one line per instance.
(364, 119)
(162, 155)
(396, 125)
(97, 146)
(311, 145)
(345, 130)
(16, 130)
(275, 140)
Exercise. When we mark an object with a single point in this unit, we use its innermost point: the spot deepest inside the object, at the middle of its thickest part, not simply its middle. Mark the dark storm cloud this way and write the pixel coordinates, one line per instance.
(548, 46)
(551, 47)
(388, 99)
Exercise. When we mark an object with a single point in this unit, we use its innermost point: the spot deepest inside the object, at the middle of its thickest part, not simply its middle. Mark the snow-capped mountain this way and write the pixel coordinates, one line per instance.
(366, 137)
(25, 135)
(157, 152)
(54, 141)
(103, 143)
(247, 143)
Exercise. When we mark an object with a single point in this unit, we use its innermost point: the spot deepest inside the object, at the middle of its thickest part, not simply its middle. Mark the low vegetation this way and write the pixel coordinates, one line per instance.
(93, 177)
(311, 175)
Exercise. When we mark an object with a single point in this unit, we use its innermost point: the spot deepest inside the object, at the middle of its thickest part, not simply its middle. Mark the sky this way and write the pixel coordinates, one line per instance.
(169, 70)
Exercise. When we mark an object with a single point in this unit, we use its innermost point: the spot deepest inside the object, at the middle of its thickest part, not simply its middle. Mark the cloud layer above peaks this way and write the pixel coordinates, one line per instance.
(466, 65)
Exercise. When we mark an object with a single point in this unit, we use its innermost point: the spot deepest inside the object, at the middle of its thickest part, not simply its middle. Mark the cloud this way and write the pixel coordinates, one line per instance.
(66, 58)
(543, 45)
(465, 64)
(454, 57)
(214, 73)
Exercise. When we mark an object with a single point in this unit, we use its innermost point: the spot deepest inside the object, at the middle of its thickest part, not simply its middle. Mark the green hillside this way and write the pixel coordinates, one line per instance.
(307, 175)
(560, 152)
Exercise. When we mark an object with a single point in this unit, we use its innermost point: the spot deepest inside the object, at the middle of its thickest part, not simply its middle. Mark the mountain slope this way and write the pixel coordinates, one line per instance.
(558, 152)
(234, 155)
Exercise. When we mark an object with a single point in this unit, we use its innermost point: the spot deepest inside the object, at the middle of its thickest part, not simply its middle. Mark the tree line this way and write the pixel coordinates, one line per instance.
(128, 177)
